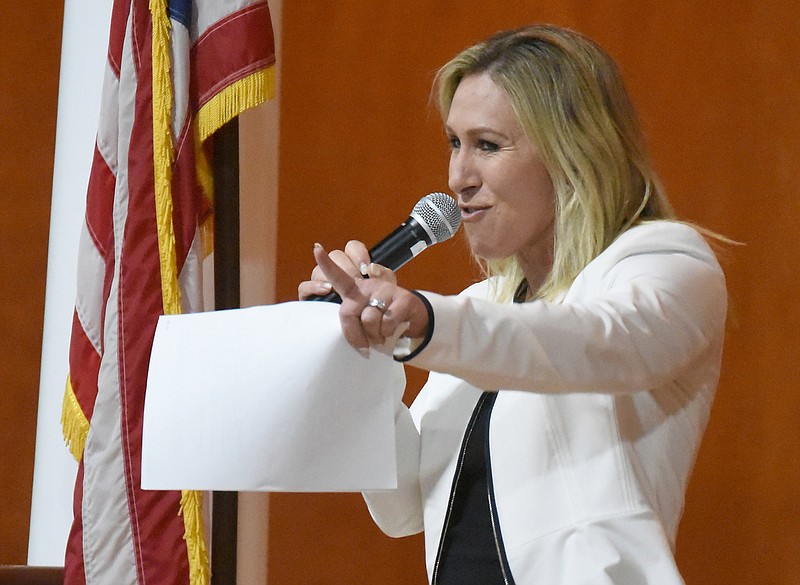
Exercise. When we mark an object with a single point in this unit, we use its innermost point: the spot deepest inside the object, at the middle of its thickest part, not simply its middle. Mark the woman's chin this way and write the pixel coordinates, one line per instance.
(486, 253)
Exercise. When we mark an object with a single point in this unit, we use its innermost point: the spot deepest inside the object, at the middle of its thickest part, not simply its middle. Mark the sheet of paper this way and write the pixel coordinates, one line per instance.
(267, 398)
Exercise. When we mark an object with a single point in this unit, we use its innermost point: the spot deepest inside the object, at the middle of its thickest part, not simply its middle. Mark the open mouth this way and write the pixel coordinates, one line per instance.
(472, 211)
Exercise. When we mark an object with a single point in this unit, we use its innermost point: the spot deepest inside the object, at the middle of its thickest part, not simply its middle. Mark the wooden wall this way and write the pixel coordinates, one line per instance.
(717, 87)
(30, 46)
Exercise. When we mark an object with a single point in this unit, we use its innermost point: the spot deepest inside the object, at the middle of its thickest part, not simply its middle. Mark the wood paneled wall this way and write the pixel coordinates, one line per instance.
(717, 88)
(30, 48)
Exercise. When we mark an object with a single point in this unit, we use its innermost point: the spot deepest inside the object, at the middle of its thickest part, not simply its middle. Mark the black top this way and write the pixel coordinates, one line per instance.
(471, 548)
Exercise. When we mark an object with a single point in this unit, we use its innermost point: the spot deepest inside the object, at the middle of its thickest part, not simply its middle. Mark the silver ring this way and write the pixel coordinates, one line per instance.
(378, 304)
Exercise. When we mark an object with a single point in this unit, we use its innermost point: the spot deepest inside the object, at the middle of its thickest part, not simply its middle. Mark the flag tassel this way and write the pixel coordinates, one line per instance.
(191, 510)
(191, 501)
(74, 423)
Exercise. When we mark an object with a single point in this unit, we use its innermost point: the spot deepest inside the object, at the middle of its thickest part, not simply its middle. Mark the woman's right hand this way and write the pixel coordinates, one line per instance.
(373, 310)
(354, 260)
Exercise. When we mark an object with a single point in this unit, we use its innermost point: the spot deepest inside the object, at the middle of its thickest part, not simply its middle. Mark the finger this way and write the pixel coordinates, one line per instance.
(392, 338)
(358, 254)
(317, 274)
(381, 272)
(345, 263)
(312, 288)
(378, 315)
(406, 308)
(341, 259)
(340, 280)
(350, 313)
(372, 322)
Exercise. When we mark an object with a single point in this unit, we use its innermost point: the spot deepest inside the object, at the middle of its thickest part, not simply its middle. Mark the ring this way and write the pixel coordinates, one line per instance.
(378, 304)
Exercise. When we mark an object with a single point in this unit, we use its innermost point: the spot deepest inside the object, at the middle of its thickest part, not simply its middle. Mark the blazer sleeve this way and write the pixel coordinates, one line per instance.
(648, 308)
(399, 512)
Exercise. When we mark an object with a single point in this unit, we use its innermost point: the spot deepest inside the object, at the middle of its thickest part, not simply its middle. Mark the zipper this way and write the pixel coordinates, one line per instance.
(459, 466)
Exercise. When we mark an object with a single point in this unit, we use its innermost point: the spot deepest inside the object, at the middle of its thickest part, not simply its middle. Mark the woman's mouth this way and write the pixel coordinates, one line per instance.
(472, 212)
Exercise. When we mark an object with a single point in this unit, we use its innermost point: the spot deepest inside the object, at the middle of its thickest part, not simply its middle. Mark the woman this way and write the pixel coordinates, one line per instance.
(569, 390)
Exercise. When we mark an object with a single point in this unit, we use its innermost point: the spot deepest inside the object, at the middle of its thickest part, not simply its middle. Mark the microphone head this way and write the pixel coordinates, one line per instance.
(439, 215)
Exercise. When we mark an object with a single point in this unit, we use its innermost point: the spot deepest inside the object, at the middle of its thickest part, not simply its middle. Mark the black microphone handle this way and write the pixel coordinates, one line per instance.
(393, 251)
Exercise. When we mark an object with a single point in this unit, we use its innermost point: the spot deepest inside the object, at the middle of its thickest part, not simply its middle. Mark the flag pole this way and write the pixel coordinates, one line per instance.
(226, 296)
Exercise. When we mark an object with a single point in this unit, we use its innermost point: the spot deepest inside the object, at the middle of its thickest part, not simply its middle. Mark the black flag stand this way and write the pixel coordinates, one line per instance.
(226, 296)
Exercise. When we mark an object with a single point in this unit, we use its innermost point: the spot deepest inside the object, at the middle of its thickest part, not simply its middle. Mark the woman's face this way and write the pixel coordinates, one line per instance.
(504, 191)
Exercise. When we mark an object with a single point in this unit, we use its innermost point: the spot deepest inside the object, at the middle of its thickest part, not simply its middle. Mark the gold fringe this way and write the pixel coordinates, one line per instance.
(74, 423)
(241, 95)
(163, 156)
(229, 103)
(194, 535)
(246, 93)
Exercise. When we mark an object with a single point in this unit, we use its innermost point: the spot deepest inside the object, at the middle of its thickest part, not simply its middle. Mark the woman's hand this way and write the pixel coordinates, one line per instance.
(354, 260)
(373, 309)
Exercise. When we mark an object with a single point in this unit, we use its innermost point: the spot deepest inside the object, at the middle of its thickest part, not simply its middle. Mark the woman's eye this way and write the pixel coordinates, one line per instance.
(487, 146)
(454, 142)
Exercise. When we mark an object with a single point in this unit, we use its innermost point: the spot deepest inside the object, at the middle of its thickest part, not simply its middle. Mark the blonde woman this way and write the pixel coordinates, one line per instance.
(569, 390)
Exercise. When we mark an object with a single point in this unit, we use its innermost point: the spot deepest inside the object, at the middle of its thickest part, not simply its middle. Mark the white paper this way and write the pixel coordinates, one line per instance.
(267, 398)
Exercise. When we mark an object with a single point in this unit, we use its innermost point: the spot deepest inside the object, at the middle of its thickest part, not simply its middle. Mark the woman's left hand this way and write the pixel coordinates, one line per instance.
(373, 309)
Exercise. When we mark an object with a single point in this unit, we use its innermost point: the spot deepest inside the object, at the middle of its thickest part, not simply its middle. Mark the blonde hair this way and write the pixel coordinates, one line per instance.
(570, 99)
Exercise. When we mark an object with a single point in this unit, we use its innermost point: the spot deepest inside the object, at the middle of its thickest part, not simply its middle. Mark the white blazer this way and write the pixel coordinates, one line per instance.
(603, 400)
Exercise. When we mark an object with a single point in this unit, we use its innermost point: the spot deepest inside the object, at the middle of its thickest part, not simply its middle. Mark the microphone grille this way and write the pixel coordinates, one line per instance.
(440, 213)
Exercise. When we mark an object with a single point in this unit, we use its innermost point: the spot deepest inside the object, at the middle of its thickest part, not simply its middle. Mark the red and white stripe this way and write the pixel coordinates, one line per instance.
(122, 534)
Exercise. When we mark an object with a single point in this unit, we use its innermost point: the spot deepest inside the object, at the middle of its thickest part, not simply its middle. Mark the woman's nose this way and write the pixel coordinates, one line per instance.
(462, 173)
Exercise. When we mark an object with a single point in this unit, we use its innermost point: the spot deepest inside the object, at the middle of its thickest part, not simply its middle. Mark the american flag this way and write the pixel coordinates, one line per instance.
(177, 70)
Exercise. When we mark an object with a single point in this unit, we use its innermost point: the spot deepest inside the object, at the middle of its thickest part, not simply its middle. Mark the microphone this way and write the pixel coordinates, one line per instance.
(435, 218)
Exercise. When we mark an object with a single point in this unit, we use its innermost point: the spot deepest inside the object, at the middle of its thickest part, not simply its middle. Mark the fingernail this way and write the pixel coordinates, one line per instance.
(374, 269)
(317, 245)
(364, 268)
(326, 285)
